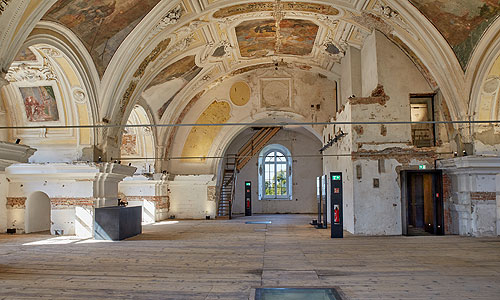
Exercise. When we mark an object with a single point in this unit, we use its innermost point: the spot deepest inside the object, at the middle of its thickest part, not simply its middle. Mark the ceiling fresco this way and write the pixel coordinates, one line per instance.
(170, 81)
(25, 55)
(262, 38)
(102, 25)
(461, 22)
(270, 6)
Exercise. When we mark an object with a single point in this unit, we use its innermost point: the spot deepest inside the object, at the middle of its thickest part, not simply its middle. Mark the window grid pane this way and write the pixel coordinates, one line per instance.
(275, 175)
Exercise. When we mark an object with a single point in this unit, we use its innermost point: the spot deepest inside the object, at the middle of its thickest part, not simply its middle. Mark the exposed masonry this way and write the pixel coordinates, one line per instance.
(447, 203)
(403, 156)
(16, 202)
(483, 196)
(378, 96)
(59, 203)
(56, 203)
(161, 202)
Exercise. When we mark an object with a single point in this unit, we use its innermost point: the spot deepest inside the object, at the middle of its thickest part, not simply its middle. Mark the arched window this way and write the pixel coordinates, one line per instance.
(275, 173)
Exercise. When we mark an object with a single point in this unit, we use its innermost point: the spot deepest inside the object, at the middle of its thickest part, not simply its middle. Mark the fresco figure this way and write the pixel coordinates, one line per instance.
(40, 104)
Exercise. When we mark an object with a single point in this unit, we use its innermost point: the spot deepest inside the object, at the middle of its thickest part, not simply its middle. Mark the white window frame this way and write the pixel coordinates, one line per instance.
(262, 157)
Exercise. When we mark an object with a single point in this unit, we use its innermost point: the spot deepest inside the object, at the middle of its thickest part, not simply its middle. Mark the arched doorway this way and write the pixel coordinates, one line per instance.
(37, 215)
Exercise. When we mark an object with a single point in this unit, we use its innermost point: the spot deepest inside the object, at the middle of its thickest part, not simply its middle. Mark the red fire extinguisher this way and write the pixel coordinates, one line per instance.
(336, 215)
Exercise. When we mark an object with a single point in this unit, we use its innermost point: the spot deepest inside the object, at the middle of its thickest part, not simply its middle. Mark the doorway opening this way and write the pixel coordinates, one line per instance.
(422, 203)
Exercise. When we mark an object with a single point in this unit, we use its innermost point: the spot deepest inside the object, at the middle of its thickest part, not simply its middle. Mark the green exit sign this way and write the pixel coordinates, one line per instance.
(247, 183)
(422, 167)
(336, 177)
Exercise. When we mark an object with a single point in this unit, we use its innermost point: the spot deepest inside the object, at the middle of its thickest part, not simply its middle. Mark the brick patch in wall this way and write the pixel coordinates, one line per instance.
(72, 202)
(446, 203)
(483, 196)
(20, 202)
(161, 202)
(16, 202)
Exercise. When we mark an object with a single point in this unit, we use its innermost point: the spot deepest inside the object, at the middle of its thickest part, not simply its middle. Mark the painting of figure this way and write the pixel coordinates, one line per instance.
(260, 38)
(462, 22)
(40, 104)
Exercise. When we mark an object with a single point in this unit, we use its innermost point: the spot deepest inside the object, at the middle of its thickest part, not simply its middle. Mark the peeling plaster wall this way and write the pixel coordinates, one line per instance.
(350, 69)
(336, 161)
(388, 79)
(304, 173)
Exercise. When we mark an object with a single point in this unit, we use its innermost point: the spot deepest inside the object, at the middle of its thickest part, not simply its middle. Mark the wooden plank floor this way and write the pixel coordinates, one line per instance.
(224, 259)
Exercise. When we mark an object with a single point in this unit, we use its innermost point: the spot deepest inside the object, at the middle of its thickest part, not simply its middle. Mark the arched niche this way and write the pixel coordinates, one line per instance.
(46, 88)
(37, 213)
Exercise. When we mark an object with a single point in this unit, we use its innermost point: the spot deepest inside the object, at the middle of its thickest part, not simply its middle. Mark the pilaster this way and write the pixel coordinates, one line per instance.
(474, 194)
(106, 183)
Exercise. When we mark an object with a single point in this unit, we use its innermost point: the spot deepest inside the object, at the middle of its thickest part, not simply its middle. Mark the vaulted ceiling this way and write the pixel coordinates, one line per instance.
(102, 25)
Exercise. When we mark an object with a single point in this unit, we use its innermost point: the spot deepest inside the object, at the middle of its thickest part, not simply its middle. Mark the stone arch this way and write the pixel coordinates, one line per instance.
(37, 213)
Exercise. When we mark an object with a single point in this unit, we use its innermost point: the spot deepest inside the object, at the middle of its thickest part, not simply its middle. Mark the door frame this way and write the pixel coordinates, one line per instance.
(437, 198)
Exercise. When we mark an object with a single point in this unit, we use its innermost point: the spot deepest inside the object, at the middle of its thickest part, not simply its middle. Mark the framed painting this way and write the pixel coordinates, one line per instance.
(40, 103)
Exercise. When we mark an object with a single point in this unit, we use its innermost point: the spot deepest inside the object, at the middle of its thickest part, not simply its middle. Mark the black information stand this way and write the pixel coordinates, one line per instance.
(336, 204)
(325, 200)
(248, 198)
(322, 222)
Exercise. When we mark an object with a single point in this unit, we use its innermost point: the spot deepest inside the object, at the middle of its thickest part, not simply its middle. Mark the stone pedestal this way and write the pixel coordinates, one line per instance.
(471, 195)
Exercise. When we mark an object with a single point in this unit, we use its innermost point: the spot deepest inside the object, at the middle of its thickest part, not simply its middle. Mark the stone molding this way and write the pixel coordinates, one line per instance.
(472, 164)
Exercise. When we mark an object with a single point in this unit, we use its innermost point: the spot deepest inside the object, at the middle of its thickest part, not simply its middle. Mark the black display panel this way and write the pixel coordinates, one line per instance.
(336, 205)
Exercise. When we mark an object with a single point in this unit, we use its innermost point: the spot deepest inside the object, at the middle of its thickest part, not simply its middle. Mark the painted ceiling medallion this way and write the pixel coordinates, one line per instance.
(240, 93)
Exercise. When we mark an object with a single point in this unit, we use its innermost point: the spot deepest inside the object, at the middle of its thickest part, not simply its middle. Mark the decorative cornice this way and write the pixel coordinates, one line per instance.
(24, 72)
(471, 164)
(14, 153)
